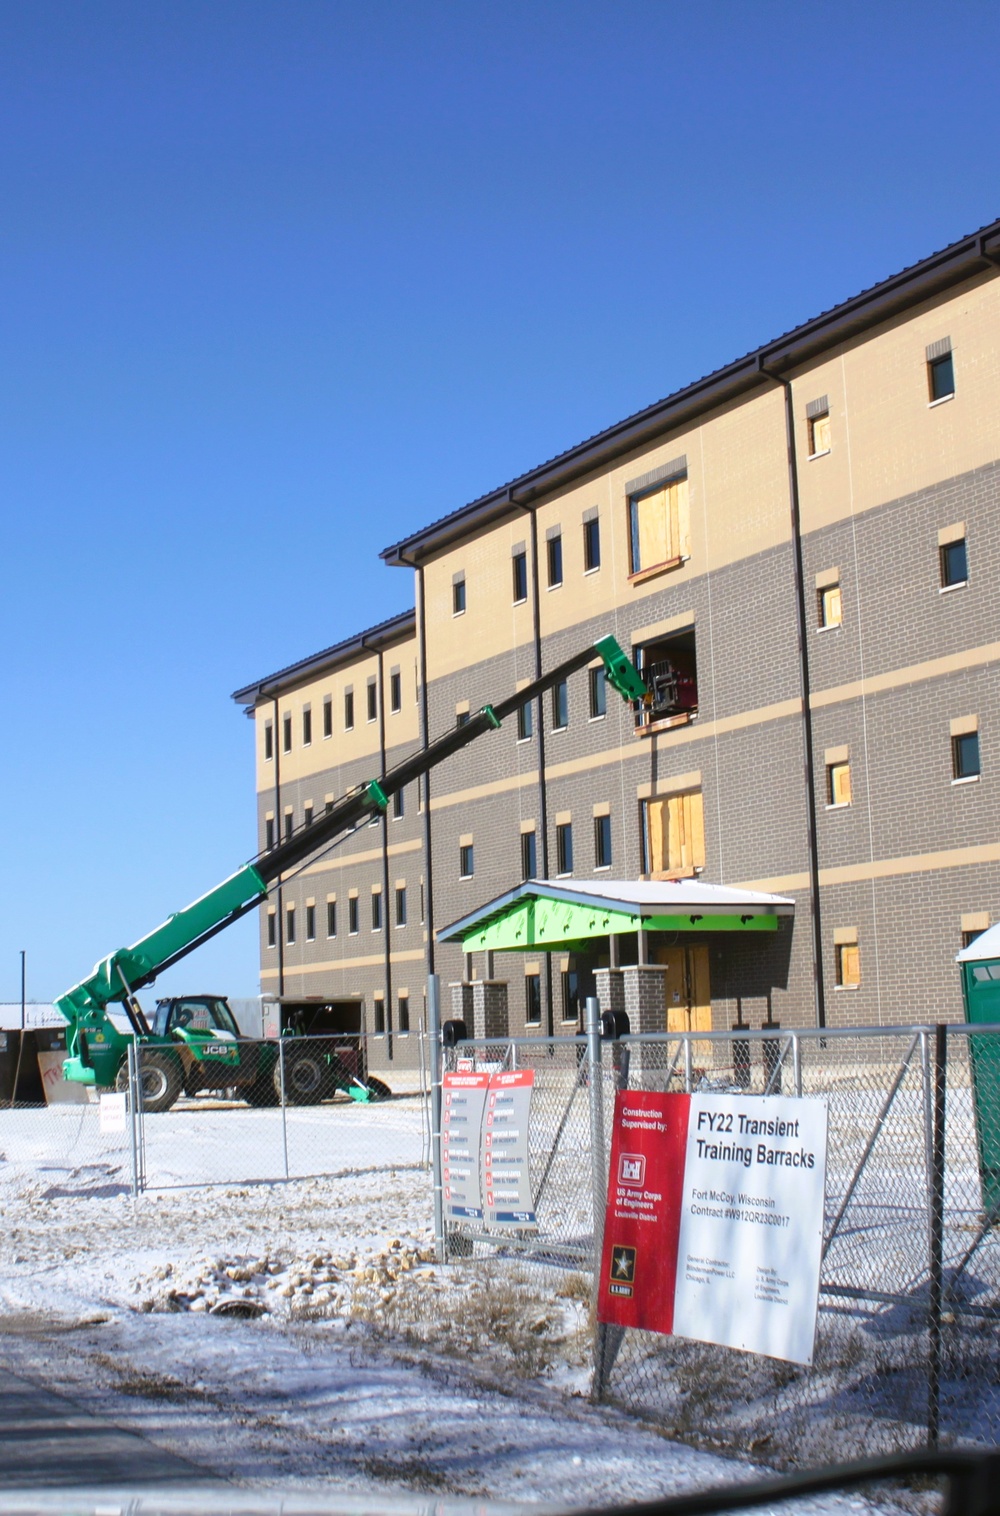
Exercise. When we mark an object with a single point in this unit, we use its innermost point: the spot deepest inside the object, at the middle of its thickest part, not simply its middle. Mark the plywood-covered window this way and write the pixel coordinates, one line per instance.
(848, 959)
(674, 835)
(659, 529)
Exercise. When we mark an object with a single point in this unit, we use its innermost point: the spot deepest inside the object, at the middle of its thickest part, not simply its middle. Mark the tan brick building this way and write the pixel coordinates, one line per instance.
(807, 539)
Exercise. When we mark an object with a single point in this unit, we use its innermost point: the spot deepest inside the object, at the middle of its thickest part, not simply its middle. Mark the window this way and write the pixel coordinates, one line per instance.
(670, 670)
(602, 842)
(524, 722)
(290, 923)
(328, 804)
(286, 733)
(398, 805)
(462, 718)
(401, 905)
(560, 705)
(940, 370)
(327, 717)
(969, 937)
(307, 814)
(379, 1004)
(458, 595)
(376, 910)
(395, 691)
(554, 556)
(965, 756)
(289, 824)
(271, 929)
(829, 605)
(466, 861)
(352, 915)
(532, 999)
(307, 726)
(269, 833)
(310, 923)
(519, 574)
(598, 693)
(372, 700)
(838, 783)
(570, 995)
(848, 965)
(658, 526)
(348, 710)
(674, 836)
(954, 563)
(331, 918)
(403, 1014)
(818, 423)
(421, 901)
(591, 543)
(564, 847)
(529, 855)
(268, 741)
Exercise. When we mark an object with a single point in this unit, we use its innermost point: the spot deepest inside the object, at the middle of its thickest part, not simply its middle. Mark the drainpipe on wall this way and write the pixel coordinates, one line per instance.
(807, 731)
(387, 951)
(543, 806)
(425, 740)
(279, 920)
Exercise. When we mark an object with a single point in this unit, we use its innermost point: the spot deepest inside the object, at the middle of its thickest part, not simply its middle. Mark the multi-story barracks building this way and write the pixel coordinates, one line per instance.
(800, 553)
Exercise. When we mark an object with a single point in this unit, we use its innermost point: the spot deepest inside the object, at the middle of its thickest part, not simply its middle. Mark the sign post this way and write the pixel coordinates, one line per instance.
(714, 1224)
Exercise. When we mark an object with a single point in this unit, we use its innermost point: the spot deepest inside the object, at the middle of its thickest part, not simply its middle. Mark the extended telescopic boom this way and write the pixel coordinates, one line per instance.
(118, 977)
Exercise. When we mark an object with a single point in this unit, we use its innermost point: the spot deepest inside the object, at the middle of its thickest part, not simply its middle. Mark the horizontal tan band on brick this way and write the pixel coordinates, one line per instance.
(882, 868)
(953, 533)
(369, 961)
(527, 826)
(975, 921)
(466, 840)
(663, 628)
(837, 755)
(961, 726)
(564, 818)
(351, 860)
(845, 936)
(916, 673)
(827, 577)
(521, 684)
(603, 808)
(676, 784)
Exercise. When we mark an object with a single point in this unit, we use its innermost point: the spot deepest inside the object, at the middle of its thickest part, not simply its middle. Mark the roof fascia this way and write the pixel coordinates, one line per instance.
(383, 635)
(953, 265)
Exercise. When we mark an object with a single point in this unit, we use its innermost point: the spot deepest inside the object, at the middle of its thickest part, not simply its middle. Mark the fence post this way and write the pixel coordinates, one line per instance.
(135, 1116)
(284, 1113)
(935, 1270)
(797, 1064)
(603, 1348)
(434, 1061)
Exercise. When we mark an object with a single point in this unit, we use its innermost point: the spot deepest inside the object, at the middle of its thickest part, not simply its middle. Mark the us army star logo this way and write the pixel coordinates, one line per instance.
(623, 1265)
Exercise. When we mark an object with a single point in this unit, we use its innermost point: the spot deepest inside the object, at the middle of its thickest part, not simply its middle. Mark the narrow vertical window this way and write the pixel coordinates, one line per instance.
(838, 783)
(519, 575)
(331, 918)
(829, 601)
(560, 705)
(965, 756)
(398, 804)
(310, 923)
(403, 1014)
(348, 710)
(327, 717)
(290, 924)
(529, 855)
(289, 824)
(307, 726)
(395, 691)
(602, 842)
(564, 848)
(268, 741)
(379, 1004)
(458, 595)
(401, 905)
(940, 370)
(953, 557)
(466, 861)
(286, 733)
(372, 700)
(554, 555)
(591, 544)
(524, 722)
(848, 965)
(818, 426)
(598, 693)
(532, 999)
(352, 915)
(272, 933)
(376, 910)
(269, 833)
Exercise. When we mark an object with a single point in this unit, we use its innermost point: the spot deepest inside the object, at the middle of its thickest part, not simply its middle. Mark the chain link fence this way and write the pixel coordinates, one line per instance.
(909, 1309)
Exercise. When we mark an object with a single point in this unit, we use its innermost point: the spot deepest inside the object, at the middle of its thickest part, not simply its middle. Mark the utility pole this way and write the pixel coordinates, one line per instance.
(22, 989)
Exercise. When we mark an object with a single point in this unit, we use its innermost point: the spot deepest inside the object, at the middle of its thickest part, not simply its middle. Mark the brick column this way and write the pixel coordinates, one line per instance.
(462, 1005)
(489, 1009)
(646, 1005)
(610, 990)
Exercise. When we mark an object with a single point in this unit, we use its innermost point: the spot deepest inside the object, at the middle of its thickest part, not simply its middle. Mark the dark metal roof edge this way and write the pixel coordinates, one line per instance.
(376, 636)
(948, 266)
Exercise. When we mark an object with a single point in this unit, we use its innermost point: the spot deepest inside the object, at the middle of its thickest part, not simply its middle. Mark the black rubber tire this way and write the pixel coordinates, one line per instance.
(160, 1076)
(261, 1093)
(306, 1078)
(377, 1090)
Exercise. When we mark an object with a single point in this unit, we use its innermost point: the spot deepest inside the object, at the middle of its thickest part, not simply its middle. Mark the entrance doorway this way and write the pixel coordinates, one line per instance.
(686, 983)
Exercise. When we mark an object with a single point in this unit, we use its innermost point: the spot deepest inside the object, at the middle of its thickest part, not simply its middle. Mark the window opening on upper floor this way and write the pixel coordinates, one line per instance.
(670, 671)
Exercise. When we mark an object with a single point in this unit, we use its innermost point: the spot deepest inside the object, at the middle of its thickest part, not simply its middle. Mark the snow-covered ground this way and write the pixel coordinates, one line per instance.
(301, 1334)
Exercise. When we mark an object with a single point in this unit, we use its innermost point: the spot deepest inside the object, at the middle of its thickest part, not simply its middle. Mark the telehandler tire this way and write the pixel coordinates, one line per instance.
(377, 1090)
(261, 1093)
(160, 1077)
(305, 1078)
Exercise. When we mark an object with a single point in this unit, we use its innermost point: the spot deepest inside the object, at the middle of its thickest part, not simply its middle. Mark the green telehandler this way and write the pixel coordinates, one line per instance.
(206, 1051)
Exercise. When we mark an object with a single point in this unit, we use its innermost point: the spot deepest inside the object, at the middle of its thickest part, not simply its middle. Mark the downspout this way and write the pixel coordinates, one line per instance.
(280, 906)
(543, 805)
(425, 739)
(387, 951)
(807, 728)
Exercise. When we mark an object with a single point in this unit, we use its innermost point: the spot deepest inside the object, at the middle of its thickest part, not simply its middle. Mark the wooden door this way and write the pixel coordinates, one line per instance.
(686, 987)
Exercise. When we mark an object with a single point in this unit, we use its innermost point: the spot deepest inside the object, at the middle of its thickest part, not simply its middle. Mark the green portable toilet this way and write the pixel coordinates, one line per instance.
(980, 967)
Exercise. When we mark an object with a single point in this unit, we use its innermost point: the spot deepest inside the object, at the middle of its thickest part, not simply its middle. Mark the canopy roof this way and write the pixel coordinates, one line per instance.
(542, 915)
(986, 945)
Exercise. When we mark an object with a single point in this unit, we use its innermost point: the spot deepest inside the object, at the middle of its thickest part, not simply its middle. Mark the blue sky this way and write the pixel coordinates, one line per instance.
(282, 282)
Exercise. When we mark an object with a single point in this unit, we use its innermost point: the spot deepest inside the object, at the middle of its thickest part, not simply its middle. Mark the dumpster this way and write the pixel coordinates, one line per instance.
(20, 1079)
(980, 967)
(51, 1056)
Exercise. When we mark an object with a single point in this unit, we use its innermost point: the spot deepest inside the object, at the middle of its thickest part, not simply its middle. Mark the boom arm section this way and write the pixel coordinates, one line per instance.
(96, 1046)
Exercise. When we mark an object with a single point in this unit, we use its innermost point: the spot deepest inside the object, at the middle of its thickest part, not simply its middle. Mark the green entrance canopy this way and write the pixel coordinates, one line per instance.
(541, 915)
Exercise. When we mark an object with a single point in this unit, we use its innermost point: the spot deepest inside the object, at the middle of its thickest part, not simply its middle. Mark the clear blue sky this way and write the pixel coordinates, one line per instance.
(280, 282)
